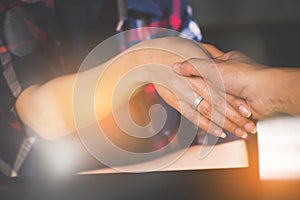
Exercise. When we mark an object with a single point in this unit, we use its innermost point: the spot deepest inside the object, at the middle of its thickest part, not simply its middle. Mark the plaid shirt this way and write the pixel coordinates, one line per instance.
(15, 145)
(16, 141)
(171, 14)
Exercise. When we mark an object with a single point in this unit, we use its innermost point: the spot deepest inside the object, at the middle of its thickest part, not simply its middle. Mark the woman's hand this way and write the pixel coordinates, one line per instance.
(211, 115)
(242, 77)
(217, 107)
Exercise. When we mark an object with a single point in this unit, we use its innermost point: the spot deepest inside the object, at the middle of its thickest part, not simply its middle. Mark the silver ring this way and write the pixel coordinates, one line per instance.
(197, 102)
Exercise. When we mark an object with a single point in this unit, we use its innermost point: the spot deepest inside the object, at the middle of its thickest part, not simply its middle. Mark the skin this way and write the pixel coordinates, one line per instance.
(48, 110)
(267, 90)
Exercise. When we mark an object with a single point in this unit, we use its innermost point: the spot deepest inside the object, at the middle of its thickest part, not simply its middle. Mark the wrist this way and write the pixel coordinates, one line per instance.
(287, 80)
(275, 86)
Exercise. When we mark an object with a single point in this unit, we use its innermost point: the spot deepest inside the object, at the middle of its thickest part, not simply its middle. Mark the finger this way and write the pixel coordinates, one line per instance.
(240, 105)
(200, 67)
(221, 103)
(243, 108)
(200, 120)
(212, 50)
(221, 120)
(235, 117)
(242, 122)
(172, 100)
(186, 110)
(208, 91)
(204, 68)
(200, 87)
(186, 68)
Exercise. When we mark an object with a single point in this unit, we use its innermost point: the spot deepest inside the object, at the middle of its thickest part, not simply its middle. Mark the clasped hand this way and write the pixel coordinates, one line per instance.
(217, 110)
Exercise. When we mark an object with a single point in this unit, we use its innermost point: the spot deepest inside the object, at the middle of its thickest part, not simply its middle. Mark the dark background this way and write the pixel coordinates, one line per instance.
(266, 30)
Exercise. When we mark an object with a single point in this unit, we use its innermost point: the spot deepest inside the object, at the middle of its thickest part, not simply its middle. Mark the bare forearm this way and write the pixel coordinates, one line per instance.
(147, 62)
(48, 109)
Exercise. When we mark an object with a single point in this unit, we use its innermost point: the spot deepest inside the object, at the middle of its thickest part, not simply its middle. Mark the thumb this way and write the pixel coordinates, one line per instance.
(186, 68)
(199, 67)
(194, 66)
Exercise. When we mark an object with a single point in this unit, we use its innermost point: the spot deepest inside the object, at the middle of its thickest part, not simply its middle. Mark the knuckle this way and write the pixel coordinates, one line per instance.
(205, 109)
(236, 102)
(241, 121)
(235, 117)
(219, 101)
(230, 127)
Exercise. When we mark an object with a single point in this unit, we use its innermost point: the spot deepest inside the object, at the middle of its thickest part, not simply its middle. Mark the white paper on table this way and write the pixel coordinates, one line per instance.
(228, 155)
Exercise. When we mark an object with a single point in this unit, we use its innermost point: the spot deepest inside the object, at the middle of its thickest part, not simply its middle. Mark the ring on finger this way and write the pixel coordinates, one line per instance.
(196, 102)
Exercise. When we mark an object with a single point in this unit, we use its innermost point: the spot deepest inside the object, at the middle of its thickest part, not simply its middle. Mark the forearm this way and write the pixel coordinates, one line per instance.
(147, 62)
(48, 109)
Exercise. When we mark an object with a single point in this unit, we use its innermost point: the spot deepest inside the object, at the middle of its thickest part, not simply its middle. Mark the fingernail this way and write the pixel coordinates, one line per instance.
(223, 135)
(176, 67)
(240, 132)
(245, 111)
(220, 134)
(244, 136)
(251, 128)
